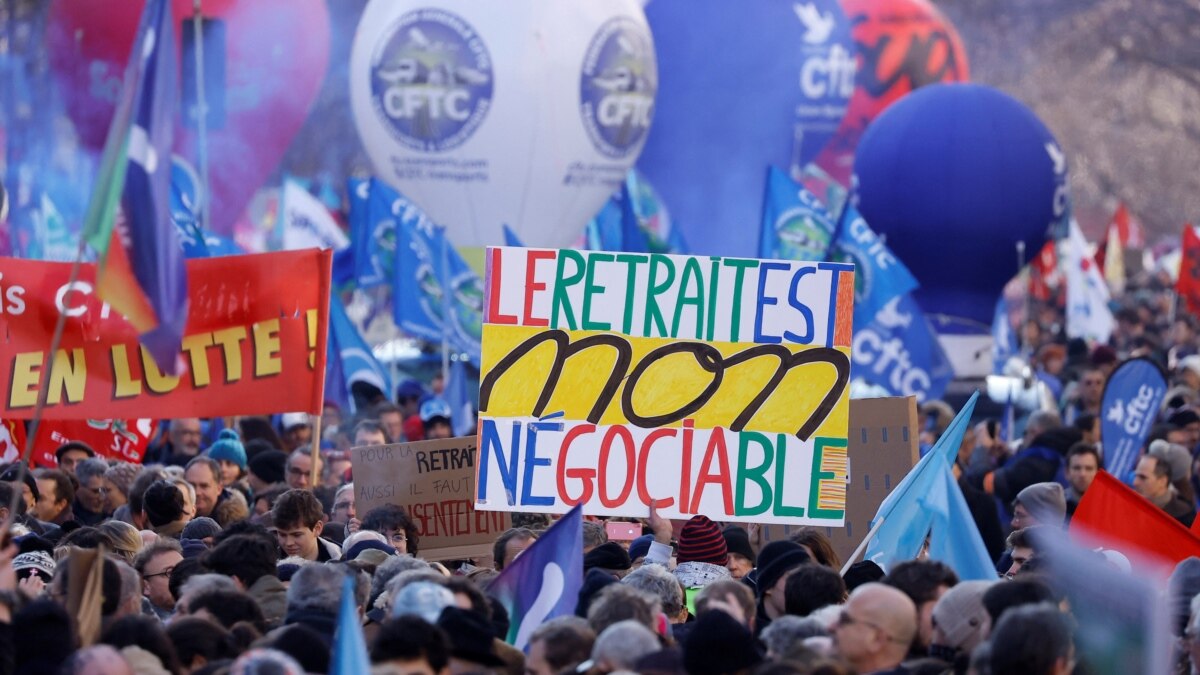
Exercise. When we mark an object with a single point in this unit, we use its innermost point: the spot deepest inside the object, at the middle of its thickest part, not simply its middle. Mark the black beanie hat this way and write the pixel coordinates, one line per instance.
(737, 540)
(609, 556)
(163, 503)
(777, 559)
(269, 466)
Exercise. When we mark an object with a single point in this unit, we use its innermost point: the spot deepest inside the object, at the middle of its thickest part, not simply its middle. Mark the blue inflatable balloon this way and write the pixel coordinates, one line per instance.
(742, 86)
(955, 175)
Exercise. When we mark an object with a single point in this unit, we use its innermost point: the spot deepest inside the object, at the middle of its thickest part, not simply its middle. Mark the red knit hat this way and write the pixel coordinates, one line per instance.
(701, 540)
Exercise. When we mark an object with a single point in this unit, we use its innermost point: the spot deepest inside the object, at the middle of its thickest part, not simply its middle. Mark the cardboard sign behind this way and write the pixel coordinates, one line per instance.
(435, 482)
(883, 449)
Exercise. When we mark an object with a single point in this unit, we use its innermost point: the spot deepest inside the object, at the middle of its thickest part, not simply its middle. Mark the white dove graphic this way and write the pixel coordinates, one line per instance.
(817, 26)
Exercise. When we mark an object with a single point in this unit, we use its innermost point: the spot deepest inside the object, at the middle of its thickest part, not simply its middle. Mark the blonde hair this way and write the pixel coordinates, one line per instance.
(126, 540)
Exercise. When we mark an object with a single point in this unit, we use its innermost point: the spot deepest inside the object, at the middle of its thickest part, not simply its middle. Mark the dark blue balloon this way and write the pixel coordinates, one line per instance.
(742, 85)
(955, 175)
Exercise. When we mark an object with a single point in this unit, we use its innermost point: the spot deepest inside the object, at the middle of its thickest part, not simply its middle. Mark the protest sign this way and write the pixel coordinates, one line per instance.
(1132, 397)
(434, 481)
(883, 449)
(255, 342)
(699, 384)
(122, 440)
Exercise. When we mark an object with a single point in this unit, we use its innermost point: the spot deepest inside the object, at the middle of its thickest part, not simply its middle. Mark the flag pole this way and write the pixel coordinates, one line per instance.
(447, 308)
(202, 113)
(862, 546)
(314, 471)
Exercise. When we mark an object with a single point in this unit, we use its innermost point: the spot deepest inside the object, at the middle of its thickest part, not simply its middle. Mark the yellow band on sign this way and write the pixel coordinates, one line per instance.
(608, 378)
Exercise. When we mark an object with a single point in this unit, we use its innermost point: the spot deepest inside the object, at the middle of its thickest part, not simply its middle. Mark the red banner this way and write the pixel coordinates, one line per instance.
(12, 440)
(123, 440)
(255, 342)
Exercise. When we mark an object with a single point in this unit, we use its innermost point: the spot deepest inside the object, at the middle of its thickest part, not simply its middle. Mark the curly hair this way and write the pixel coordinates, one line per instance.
(393, 517)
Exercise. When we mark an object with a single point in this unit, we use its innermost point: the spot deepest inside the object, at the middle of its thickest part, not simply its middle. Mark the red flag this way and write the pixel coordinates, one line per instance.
(1188, 286)
(12, 440)
(1044, 275)
(1130, 230)
(1113, 513)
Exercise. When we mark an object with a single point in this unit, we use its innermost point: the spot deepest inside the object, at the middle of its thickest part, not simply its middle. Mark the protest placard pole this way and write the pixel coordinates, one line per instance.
(201, 109)
(60, 325)
(315, 452)
(862, 547)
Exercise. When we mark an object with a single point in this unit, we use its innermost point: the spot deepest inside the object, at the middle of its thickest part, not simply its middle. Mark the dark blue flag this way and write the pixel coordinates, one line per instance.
(900, 352)
(1130, 404)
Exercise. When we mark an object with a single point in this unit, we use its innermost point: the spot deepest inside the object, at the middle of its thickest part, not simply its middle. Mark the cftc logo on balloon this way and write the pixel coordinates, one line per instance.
(431, 80)
(617, 87)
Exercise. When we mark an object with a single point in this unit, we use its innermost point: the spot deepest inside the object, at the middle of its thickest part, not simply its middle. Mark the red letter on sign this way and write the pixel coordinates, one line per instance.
(494, 315)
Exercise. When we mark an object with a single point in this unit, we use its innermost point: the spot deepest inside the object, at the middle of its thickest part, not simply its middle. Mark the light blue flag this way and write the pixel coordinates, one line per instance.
(419, 298)
(653, 219)
(1004, 338)
(953, 536)
(349, 646)
(457, 395)
(511, 239)
(604, 230)
(899, 351)
(904, 518)
(795, 224)
(879, 276)
(350, 359)
(358, 222)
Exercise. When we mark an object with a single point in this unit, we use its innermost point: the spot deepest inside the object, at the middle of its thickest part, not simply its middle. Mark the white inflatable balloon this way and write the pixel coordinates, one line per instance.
(526, 113)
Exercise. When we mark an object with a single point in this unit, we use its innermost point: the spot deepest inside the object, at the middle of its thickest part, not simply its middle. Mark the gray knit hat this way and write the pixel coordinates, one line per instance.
(1175, 456)
(1044, 501)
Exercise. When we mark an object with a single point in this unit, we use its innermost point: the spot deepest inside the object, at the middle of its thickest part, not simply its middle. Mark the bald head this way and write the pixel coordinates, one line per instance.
(876, 627)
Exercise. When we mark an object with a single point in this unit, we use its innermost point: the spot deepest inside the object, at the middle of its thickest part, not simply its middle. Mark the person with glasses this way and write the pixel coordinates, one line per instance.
(92, 493)
(155, 564)
(875, 628)
(392, 521)
(299, 469)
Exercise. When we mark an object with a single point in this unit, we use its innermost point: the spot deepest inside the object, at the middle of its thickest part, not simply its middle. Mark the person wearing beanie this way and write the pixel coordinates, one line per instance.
(776, 562)
(266, 469)
(119, 479)
(1182, 586)
(701, 557)
(741, 554)
(1040, 504)
(201, 528)
(639, 548)
(719, 644)
(229, 452)
(1179, 461)
(608, 557)
(960, 621)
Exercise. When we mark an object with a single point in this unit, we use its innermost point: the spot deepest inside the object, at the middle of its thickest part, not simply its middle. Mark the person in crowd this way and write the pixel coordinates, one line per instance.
(249, 560)
(266, 469)
(391, 419)
(811, 587)
(184, 437)
(657, 581)
(741, 554)
(1152, 480)
(299, 469)
(1087, 395)
(297, 432)
(92, 493)
(69, 455)
(435, 417)
(230, 455)
(413, 646)
(1039, 504)
(1178, 460)
(1083, 463)
(154, 564)
(559, 645)
(204, 475)
(344, 519)
(166, 508)
(924, 582)
(299, 520)
(394, 523)
(702, 556)
(1032, 640)
(818, 546)
(118, 481)
(875, 629)
(510, 544)
(776, 561)
(56, 493)
(370, 432)
(960, 622)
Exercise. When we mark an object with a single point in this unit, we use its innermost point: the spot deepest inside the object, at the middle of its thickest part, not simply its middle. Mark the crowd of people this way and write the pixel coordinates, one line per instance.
(221, 554)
